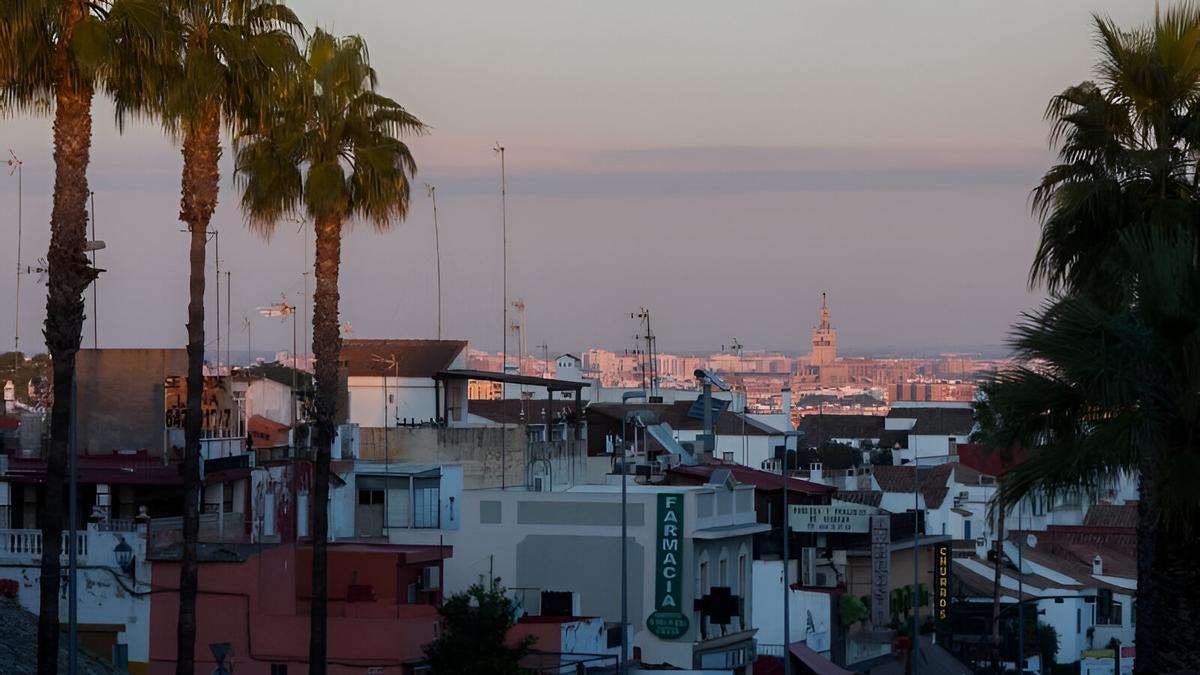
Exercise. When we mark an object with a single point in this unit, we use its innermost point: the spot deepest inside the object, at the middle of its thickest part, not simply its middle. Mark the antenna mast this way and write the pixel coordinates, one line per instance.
(650, 362)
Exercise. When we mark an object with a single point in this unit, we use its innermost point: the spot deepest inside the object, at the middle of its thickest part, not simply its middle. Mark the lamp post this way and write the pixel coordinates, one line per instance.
(623, 660)
(499, 149)
(16, 164)
(431, 190)
(916, 587)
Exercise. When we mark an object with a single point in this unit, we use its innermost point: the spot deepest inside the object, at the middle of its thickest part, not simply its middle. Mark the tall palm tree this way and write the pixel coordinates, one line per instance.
(53, 55)
(226, 62)
(1127, 150)
(1110, 392)
(332, 151)
(1111, 387)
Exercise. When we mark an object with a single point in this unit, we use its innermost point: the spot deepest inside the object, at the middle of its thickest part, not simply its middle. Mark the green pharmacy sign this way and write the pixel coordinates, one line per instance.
(668, 621)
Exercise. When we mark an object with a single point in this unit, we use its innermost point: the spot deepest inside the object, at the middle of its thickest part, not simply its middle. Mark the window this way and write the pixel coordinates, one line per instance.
(227, 498)
(703, 580)
(370, 497)
(427, 502)
(723, 572)
(966, 529)
(741, 589)
(278, 669)
(1078, 620)
(1114, 617)
(727, 456)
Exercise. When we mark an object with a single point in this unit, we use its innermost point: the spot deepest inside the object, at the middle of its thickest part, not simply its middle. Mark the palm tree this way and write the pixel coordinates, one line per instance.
(226, 61)
(333, 151)
(1127, 154)
(1110, 392)
(1111, 389)
(54, 53)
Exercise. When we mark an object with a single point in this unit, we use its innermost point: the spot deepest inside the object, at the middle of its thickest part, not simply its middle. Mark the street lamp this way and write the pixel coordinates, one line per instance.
(624, 658)
(123, 552)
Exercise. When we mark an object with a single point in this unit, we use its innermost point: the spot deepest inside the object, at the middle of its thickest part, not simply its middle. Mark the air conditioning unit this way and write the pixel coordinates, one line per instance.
(431, 578)
(823, 580)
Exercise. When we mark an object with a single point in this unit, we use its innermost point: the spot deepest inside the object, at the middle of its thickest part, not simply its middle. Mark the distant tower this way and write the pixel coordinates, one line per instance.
(824, 340)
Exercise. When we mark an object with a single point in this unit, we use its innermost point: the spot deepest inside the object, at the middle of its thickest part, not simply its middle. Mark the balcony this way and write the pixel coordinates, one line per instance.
(94, 545)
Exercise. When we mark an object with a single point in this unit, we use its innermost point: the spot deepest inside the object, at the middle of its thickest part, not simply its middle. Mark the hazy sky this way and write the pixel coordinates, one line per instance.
(720, 163)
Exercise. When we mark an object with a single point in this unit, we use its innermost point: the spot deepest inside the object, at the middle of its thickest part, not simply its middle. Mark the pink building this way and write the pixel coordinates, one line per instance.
(382, 607)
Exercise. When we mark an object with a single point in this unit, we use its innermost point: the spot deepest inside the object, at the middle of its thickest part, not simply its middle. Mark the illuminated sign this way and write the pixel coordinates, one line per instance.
(941, 581)
(668, 621)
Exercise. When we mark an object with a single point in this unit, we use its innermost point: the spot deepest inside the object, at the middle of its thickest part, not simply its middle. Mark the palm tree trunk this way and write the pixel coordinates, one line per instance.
(70, 275)
(200, 185)
(327, 347)
(1168, 593)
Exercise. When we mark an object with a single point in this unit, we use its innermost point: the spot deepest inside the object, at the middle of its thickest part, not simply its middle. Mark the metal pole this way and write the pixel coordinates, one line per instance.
(228, 328)
(916, 599)
(95, 311)
(624, 558)
(787, 587)
(17, 303)
(504, 293)
(72, 554)
(217, 266)
(437, 252)
(1021, 594)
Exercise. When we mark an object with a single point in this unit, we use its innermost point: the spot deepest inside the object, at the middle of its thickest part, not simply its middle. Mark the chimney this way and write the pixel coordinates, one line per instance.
(815, 472)
(786, 394)
(1097, 565)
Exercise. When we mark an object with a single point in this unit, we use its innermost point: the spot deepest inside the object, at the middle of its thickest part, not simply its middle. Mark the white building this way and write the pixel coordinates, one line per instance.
(113, 584)
(570, 541)
(934, 429)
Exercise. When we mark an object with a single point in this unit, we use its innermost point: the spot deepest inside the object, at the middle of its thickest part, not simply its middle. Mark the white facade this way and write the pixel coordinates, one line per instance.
(108, 595)
(569, 541)
(809, 611)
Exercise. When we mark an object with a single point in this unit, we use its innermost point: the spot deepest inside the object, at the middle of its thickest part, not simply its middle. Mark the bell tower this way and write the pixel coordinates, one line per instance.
(824, 339)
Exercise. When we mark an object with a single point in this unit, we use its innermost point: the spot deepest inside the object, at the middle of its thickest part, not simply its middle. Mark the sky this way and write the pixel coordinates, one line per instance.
(721, 164)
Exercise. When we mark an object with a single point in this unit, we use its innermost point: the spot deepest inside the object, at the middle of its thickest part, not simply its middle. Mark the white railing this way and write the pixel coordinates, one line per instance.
(27, 544)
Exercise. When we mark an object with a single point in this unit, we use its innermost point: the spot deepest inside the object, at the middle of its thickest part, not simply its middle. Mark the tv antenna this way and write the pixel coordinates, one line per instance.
(649, 358)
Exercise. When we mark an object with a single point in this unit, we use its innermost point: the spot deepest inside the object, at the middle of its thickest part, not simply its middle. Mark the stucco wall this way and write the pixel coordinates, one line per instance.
(482, 452)
(119, 395)
(106, 595)
(571, 542)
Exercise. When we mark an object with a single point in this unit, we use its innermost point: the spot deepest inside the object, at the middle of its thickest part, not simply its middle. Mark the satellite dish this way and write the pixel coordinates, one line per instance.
(1031, 540)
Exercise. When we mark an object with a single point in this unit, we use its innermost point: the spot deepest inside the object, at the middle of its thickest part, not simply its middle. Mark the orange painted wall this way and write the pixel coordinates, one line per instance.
(253, 606)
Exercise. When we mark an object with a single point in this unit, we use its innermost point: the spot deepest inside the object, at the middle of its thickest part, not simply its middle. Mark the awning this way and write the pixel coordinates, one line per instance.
(816, 663)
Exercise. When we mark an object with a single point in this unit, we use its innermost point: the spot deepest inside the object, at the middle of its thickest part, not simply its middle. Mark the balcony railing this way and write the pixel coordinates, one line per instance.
(26, 545)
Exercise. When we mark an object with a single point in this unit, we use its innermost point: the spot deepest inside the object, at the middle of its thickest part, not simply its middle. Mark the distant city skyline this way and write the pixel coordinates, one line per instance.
(696, 158)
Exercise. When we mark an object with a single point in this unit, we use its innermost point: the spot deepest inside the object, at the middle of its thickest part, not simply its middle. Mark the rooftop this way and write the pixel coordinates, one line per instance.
(819, 428)
(761, 480)
(548, 383)
(399, 358)
(931, 421)
(518, 411)
(676, 415)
